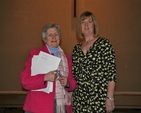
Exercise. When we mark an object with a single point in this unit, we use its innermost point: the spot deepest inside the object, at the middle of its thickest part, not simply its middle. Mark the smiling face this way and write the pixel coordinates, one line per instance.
(87, 26)
(52, 38)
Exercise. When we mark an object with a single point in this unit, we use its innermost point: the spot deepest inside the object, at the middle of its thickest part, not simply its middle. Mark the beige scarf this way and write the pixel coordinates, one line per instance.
(62, 96)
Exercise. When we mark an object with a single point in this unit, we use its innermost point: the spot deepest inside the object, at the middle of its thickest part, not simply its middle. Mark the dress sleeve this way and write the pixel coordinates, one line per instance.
(110, 61)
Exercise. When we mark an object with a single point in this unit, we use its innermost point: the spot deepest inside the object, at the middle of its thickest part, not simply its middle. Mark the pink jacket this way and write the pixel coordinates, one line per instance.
(36, 101)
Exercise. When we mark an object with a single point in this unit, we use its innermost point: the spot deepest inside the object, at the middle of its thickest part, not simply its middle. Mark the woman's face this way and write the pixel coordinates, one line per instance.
(87, 26)
(52, 38)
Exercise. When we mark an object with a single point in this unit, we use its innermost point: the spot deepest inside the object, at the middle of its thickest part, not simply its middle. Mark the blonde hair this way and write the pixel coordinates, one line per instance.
(82, 17)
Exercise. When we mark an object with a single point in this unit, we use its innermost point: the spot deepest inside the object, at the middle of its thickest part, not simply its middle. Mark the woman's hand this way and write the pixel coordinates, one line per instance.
(51, 76)
(63, 80)
(110, 106)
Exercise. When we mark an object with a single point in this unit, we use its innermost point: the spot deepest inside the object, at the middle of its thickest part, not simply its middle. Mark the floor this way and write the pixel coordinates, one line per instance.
(127, 111)
(19, 110)
(11, 110)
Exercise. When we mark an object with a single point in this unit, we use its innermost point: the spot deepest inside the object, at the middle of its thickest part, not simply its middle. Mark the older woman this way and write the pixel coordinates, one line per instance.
(39, 101)
(94, 69)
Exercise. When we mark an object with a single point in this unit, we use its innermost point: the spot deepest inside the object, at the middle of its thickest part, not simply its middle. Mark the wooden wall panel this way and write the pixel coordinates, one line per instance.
(123, 100)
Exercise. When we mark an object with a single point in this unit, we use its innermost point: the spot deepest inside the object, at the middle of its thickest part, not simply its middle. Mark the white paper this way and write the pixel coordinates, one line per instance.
(42, 64)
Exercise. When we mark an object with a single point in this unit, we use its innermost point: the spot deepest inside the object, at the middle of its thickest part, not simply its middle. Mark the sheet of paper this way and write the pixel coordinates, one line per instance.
(42, 64)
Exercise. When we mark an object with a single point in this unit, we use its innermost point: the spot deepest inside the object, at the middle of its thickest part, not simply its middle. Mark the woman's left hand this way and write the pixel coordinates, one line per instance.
(110, 106)
(63, 80)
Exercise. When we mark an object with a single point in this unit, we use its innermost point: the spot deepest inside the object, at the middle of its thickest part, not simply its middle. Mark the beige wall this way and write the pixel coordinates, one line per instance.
(21, 22)
(119, 21)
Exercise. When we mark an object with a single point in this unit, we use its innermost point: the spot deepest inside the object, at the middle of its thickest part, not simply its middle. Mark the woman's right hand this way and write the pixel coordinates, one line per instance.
(51, 76)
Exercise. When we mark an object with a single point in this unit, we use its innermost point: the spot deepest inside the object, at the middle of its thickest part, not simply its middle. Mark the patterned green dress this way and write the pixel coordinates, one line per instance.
(93, 71)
